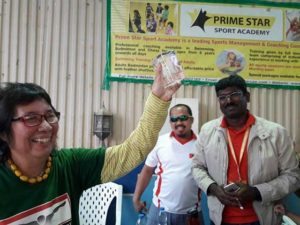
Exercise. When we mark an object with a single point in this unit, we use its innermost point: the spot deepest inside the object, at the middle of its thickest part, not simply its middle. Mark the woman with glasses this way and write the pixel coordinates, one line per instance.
(40, 184)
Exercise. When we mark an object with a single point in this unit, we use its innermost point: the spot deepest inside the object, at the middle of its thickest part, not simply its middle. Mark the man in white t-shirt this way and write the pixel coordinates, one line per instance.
(175, 189)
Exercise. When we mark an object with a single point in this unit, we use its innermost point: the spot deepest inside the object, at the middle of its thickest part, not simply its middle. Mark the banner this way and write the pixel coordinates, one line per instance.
(260, 42)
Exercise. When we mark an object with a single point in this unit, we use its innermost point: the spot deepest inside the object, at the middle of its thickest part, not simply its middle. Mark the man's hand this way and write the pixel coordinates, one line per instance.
(224, 197)
(279, 209)
(139, 206)
(248, 193)
(159, 89)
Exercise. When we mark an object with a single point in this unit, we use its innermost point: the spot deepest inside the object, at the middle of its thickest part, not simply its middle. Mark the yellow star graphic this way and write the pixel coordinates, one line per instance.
(194, 14)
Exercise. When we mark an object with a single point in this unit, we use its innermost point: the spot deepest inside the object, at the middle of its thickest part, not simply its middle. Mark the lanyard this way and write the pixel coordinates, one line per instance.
(243, 147)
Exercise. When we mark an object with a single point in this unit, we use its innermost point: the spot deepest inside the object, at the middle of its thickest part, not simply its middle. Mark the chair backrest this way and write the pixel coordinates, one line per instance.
(287, 221)
(129, 215)
(94, 204)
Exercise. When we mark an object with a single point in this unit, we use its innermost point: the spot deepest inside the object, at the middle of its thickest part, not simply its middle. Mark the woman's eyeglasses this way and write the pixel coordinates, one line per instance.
(174, 119)
(36, 119)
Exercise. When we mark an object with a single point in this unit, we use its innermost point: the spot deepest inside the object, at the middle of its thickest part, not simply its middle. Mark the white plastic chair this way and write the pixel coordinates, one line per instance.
(287, 221)
(94, 203)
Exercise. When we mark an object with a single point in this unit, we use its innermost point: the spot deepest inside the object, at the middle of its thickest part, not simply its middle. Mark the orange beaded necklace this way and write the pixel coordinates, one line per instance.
(31, 180)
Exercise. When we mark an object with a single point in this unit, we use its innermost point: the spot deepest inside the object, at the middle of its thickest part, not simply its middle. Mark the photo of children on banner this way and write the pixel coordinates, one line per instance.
(170, 28)
(165, 17)
(158, 18)
(151, 23)
(230, 62)
(158, 11)
(149, 10)
(137, 21)
(293, 25)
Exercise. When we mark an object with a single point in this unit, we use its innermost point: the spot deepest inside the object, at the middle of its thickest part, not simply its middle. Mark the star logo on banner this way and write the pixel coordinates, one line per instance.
(200, 19)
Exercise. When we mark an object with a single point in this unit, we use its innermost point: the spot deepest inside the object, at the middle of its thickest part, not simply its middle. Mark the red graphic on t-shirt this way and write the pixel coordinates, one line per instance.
(56, 211)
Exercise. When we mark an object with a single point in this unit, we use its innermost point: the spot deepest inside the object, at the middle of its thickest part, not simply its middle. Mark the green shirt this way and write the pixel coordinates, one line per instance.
(72, 172)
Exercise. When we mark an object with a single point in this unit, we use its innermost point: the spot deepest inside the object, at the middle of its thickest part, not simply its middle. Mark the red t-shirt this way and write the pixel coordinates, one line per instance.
(235, 214)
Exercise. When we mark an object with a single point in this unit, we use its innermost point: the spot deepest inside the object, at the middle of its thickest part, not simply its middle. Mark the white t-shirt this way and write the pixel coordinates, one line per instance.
(174, 188)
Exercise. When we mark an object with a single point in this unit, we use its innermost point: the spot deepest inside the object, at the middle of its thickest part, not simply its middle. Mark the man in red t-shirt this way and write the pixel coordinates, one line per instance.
(255, 154)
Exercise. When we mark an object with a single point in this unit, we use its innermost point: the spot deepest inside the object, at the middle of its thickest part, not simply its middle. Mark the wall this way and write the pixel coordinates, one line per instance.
(61, 45)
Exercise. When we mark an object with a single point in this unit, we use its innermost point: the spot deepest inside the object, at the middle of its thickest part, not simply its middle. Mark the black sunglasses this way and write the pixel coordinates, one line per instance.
(174, 119)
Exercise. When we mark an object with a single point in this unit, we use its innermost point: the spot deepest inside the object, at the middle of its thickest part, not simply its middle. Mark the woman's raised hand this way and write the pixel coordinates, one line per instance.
(159, 89)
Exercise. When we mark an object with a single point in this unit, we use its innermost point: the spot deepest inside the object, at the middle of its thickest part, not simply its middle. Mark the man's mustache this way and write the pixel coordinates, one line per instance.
(230, 104)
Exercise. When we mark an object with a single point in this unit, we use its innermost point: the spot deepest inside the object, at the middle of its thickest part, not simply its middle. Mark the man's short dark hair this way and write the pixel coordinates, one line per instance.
(182, 105)
(231, 81)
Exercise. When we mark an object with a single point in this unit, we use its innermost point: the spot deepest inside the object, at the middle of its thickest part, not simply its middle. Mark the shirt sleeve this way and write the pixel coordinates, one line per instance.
(152, 158)
(288, 179)
(199, 166)
(121, 159)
